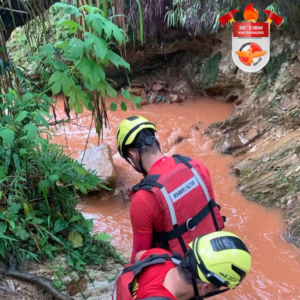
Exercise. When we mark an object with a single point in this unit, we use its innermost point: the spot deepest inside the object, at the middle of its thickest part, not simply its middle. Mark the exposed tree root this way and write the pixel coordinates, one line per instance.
(46, 284)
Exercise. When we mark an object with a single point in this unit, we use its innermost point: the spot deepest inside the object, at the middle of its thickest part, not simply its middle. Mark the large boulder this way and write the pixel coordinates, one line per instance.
(99, 158)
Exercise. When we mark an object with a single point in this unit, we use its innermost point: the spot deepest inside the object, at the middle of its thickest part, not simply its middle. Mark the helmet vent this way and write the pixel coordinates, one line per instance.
(132, 118)
(228, 242)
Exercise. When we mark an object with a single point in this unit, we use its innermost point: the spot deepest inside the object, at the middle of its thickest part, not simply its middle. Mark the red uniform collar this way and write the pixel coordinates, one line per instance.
(158, 162)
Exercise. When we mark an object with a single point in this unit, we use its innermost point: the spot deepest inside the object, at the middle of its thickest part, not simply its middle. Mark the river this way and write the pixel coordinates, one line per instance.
(275, 272)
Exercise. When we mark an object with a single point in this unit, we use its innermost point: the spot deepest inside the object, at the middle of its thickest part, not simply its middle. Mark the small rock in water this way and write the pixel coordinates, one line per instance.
(157, 87)
(153, 98)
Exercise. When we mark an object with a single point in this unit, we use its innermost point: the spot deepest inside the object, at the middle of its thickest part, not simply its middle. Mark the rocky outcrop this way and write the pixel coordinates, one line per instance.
(271, 175)
(99, 158)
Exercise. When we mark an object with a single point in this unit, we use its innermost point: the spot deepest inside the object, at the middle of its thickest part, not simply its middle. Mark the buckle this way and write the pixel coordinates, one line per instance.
(187, 225)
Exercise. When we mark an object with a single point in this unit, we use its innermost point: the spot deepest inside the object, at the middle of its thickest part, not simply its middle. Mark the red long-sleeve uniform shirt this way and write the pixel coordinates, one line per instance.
(145, 212)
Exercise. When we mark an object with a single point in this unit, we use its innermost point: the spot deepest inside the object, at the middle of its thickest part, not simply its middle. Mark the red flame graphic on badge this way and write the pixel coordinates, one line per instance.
(250, 13)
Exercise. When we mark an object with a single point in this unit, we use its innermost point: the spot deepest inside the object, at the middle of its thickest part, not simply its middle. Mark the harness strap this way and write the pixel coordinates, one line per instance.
(202, 184)
(161, 237)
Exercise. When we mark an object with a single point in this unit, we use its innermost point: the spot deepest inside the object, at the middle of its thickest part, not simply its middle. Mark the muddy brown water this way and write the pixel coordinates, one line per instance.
(275, 272)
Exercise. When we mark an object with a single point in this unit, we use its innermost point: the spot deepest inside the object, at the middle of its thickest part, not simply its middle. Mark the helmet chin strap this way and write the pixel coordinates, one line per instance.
(148, 141)
(141, 170)
(196, 292)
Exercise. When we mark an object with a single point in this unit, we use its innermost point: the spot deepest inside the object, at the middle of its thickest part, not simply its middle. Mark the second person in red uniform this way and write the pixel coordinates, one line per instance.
(174, 203)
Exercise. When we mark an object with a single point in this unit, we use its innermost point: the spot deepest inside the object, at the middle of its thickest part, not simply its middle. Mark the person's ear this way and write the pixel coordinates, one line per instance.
(132, 154)
(204, 288)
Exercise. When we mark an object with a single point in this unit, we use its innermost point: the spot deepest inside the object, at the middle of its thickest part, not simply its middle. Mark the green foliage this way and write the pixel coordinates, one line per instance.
(39, 187)
(201, 17)
(211, 70)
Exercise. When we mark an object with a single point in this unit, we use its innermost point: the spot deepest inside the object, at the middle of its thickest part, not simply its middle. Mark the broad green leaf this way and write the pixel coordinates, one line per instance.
(44, 184)
(118, 33)
(21, 116)
(47, 99)
(100, 47)
(31, 130)
(73, 26)
(117, 60)
(123, 106)
(92, 71)
(125, 94)
(28, 209)
(60, 225)
(13, 210)
(74, 219)
(12, 224)
(3, 227)
(45, 74)
(3, 172)
(59, 66)
(97, 22)
(113, 106)
(77, 96)
(28, 96)
(75, 48)
(41, 120)
(22, 151)
(61, 81)
(69, 9)
(103, 236)
(7, 158)
(61, 44)
(53, 177)
(1, 194)
(103, 87)
(21, 233)
(79, 169)
(8, 136)
(47, 49)
(19, 73)
(37, 221)
(35, 58)
(110, 91)
(136, 100)
(75, 238)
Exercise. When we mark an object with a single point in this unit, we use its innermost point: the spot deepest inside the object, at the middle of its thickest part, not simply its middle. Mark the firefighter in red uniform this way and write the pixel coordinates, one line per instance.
(174, 203)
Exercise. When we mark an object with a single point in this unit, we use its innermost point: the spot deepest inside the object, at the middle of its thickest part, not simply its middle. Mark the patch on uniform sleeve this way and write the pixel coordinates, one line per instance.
(184, 189)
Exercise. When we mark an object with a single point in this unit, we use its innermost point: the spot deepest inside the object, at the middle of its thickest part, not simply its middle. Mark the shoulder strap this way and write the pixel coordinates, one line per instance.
(148, 183)
(148, 261)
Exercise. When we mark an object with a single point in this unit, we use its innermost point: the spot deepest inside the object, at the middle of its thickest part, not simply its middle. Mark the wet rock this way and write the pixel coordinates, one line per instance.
(80, 286)
(153, 98)
(250, 135)
(157, 87)
(137, 91)
(295, 70)
(289, 86)
(230, 143)
(175, 98)
(99, 158)
(286, 102)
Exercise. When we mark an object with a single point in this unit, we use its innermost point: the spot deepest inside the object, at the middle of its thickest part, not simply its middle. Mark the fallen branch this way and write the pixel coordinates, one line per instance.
(46, 284)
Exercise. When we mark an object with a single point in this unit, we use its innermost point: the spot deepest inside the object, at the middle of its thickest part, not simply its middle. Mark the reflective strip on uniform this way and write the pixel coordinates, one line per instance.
(185, 188)
(201, 182)
(176, 261)
(170, 205)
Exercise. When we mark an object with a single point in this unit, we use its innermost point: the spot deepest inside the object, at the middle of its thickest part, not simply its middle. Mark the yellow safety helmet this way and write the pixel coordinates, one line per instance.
(128, 130)
(223, 258)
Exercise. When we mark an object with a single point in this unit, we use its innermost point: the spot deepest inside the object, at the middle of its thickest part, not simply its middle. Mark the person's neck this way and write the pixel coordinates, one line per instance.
(174, 284)
(150, 160)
